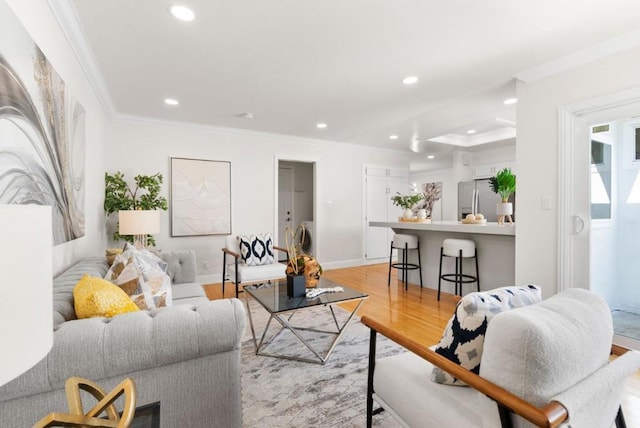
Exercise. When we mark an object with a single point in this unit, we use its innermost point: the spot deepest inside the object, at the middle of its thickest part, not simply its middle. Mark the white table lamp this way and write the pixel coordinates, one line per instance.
(139, 223)
(26, 290)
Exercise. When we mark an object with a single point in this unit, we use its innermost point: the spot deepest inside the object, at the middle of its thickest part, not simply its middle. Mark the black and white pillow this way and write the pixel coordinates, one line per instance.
(463, 338)
(256, 250)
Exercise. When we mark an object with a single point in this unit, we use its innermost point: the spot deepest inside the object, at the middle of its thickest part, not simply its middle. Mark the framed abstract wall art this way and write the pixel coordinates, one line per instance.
(42, 132)
(200, 200)
(432, 193)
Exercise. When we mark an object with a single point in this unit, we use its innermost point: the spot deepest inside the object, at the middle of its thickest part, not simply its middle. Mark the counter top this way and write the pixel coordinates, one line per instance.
(452, 226)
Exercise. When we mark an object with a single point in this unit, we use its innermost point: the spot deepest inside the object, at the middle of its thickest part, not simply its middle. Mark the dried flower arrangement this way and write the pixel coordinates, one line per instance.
(299, 262)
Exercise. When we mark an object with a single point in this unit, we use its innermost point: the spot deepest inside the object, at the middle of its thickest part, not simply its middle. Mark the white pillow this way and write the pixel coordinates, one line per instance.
(256, 250)
(463, 338)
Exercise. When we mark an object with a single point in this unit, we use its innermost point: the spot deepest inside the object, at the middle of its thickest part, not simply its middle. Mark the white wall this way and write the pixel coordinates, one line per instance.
(40, 23)
(495, 155)
(145, 148)
(537, 156)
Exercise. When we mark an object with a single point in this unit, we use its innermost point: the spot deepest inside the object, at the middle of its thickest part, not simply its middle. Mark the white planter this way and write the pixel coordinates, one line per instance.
(504, 211)
(422, 214)
(407, 213)
(504, 208)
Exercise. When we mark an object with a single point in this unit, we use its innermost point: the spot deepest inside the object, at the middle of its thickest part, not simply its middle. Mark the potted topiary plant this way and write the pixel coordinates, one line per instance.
(406, 202)
(118, 195)
(504, 184)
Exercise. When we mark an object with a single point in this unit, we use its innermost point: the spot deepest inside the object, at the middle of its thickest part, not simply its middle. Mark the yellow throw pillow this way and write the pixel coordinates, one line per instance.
(96, 297)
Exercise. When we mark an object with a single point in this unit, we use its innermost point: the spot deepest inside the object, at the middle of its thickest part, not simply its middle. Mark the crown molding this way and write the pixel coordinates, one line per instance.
(67, 17)
(585, 56)
(279, 138)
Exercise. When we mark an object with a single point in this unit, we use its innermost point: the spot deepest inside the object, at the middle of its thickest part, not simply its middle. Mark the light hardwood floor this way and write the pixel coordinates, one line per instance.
(417, 313)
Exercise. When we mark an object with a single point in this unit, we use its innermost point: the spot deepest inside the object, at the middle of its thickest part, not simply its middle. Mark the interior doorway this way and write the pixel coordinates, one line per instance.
(296, 201)
(600, 205)
(615, 209)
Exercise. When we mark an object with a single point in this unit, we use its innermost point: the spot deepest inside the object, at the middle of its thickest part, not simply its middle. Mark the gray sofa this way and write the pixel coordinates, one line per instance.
(187, 356)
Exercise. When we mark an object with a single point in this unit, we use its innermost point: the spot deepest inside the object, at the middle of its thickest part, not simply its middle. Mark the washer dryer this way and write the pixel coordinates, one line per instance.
(307, 243)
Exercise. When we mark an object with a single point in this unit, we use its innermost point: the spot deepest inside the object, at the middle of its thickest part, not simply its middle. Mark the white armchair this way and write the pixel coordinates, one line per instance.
(235, 270)
(546, 364)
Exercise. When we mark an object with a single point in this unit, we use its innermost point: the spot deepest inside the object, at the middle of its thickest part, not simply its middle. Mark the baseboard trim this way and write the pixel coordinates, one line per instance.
(342, 264)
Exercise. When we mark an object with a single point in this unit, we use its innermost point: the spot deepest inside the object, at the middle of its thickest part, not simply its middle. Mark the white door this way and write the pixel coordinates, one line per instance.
(598, 228)
(377, 195)
(577, 222)
(396, 185)
(380, 186)
(285, 202)
(574, 177)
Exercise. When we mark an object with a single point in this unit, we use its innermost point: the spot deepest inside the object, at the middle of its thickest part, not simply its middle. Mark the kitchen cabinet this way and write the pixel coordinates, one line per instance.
(489, 170)
(381, 183)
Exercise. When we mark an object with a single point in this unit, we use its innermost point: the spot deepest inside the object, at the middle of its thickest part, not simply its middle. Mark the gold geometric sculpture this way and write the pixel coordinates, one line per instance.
(77, 416)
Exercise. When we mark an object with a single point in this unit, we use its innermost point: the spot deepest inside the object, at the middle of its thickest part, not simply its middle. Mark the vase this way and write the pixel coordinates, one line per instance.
(296, 286)
(308, 268)
(504, 210)
(422, 214)
(407, 213)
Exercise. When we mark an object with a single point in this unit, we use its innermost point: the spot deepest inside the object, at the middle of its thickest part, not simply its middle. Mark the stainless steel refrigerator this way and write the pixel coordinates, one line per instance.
(477, 197)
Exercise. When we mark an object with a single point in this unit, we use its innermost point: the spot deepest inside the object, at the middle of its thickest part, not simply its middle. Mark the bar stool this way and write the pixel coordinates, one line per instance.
(404, 243)
(458, 248)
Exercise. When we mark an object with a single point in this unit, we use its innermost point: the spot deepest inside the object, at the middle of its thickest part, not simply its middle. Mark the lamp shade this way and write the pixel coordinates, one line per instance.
(139, 222)
(26, 275)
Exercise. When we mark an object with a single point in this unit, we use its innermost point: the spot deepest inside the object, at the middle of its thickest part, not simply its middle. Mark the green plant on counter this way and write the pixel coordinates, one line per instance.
(406, 201)
(118, 195)
(503, 183)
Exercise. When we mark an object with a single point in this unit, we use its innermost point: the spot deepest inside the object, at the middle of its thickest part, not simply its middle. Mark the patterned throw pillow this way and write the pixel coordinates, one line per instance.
(142, 276)
(463, 337)
(256, 250)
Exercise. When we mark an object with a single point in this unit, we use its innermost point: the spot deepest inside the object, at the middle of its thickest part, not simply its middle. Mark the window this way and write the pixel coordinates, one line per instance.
(597, 152)
(600, 180)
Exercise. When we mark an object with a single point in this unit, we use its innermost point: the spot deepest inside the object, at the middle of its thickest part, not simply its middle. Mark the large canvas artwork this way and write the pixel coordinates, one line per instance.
(200, 197)
(432, 193)
(42, 132)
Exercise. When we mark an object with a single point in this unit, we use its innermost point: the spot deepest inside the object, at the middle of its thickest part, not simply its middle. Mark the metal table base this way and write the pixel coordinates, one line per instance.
(285, 322)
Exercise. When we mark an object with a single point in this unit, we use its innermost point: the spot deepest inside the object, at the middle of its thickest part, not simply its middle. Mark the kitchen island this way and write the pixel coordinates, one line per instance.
(495, 244)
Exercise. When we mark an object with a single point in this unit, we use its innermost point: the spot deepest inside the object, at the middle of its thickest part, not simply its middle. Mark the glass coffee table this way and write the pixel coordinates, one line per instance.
(273, 298)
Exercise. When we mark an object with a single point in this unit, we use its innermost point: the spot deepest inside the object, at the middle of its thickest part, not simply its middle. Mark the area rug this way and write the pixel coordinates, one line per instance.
(285, 393)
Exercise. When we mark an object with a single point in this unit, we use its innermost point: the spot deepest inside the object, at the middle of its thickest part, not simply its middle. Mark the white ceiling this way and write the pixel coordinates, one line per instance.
(293, 63)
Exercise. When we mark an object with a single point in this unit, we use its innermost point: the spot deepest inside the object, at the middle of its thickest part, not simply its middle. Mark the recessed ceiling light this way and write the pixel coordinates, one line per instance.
(509, 101)
(182, 13)
(321, 125)
(393, 137)
(171, 101)
(430, 157)
(471, 131)
(246, 115)
(410, 80)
